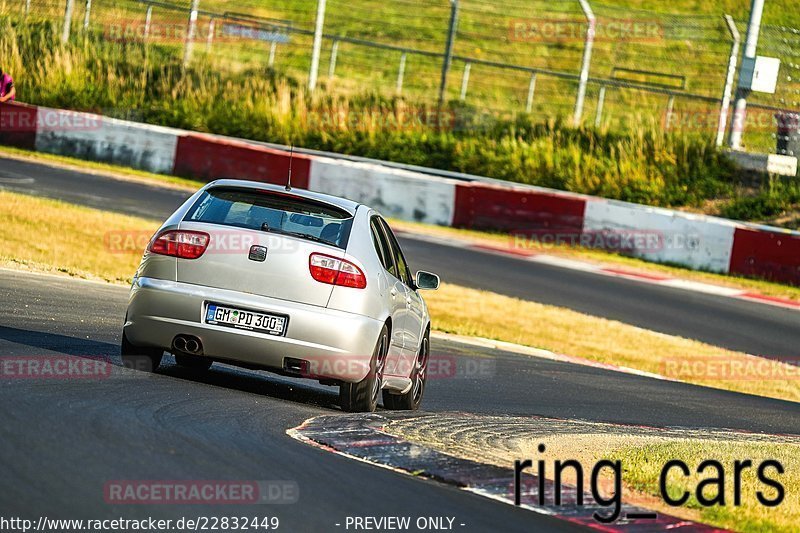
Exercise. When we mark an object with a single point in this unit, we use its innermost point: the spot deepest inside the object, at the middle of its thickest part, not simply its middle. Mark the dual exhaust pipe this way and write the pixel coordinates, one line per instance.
(187, 344)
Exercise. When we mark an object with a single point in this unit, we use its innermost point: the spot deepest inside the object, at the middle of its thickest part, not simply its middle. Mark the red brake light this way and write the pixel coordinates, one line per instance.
(182, 244)
(335, 271)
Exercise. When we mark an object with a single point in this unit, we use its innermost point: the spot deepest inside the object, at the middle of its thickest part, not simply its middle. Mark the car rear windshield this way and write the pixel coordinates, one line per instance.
(273, 212)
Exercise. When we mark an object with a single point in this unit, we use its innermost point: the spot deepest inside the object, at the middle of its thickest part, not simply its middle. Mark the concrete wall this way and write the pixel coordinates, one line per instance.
(108, 140)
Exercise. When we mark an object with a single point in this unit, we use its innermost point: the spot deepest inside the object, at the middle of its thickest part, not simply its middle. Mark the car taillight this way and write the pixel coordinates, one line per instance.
(182, 244)
(334, 271)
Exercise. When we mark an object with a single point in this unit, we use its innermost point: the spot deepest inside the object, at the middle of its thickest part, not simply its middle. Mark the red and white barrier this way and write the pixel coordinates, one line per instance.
(395, 192)
(694, 241)
(99, 138)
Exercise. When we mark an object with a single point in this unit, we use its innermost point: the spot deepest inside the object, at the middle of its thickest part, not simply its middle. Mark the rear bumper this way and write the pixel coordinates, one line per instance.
(336, 345)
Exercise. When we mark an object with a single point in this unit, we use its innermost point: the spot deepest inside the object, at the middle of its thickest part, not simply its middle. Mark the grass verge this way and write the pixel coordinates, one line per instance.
(52, 236)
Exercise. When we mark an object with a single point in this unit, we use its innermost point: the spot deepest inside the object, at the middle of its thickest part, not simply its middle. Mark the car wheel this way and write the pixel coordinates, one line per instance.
(193, 362)
(139, 358)
(411, 400)
(362, 397)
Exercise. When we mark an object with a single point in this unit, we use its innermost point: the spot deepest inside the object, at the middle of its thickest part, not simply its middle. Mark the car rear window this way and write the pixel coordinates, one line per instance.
(273, 212)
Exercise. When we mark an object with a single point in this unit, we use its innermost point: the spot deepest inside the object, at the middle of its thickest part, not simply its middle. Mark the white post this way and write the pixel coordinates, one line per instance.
(27, 8)
(750, 45)
(190, 32)
(334, 55)
(601, 100)
(272, 48)
(148, 18)
(670, 108)
(317, 46)
(70, 7)
(401, 73)
(726, 94)
(586, 62)
(465, 81)
(531, 91)
(212, 27)
(87, 14)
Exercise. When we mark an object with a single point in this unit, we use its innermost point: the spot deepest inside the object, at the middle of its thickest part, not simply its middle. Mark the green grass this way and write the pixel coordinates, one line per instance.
(642, 465)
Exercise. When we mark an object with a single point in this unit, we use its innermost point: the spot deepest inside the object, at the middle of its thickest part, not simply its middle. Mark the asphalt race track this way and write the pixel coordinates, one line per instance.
(755, 328)
(62, 440)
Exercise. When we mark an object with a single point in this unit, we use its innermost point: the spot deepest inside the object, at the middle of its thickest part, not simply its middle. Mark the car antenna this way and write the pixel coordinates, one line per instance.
(289, 177)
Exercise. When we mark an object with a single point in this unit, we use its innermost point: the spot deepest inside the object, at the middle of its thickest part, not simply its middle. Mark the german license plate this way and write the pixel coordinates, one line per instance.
(250, 320)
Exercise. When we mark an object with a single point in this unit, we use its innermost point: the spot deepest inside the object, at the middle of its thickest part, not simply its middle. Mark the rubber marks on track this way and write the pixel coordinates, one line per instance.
(362, 437)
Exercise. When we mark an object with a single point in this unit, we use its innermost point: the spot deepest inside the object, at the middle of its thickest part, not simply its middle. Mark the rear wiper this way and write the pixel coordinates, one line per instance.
(267, 228)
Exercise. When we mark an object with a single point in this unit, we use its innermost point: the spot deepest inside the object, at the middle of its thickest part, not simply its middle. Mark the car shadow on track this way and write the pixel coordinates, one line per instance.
(261, 383)
(53, 342)
(38, 343)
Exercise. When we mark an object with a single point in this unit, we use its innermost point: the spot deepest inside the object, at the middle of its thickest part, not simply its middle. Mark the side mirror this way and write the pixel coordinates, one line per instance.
(427, 281)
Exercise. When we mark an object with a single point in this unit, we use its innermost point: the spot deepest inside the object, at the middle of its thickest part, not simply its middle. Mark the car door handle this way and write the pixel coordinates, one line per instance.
(393, 292)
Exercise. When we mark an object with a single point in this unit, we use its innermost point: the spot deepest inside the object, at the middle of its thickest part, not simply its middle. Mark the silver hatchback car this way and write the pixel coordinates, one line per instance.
(287, 280)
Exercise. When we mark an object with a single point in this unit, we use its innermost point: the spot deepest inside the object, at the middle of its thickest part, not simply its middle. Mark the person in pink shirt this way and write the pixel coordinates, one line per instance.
(7, 89)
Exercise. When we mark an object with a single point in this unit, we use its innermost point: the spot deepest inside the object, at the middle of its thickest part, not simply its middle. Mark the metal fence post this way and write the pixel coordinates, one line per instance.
(601, 100)
(87, 14)
(401, 73)
(148, 18)
(448, 51)
(586, 62)
(272, 48)
(212, 27)
(317, 46)
(68, 9)
(465, 80)
(670, 108)
(334, 56)
(531, 90)
(187, 48)
(750, 45)
(726, 94)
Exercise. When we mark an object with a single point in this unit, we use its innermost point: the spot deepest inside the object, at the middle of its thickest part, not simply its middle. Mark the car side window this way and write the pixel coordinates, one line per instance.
(382, 247)
(402, 264)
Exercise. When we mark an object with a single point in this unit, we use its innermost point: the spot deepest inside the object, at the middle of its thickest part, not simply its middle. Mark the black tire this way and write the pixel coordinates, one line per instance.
(140, 358)
(194, 362)
(411, 400)
(362, 397)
